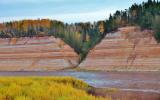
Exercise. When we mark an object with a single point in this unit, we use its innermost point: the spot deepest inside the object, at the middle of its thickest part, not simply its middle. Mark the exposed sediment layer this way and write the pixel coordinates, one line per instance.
(36, 54)
(129, 49)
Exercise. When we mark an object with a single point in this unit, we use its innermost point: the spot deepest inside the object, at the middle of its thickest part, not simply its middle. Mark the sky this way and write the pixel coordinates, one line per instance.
(69, 11)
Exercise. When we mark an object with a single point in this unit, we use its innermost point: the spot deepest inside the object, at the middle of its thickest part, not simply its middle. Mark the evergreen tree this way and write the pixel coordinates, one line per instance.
(156, 27)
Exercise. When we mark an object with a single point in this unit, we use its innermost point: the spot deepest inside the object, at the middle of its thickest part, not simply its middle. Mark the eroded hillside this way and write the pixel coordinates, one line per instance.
(129, 49)
(36, 54)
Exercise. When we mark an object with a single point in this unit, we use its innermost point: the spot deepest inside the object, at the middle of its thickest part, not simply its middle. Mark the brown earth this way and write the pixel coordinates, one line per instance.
(128, 49)
(126, 95)
(36, 54)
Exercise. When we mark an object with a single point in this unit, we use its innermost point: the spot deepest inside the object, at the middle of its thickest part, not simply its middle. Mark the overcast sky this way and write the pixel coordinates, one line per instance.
(69, 11)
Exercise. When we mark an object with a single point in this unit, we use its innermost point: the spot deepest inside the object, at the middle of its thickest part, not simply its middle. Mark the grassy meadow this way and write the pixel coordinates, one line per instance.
(44, 88)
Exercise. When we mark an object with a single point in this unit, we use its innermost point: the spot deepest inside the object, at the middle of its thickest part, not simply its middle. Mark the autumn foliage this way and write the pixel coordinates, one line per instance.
(80, 36)
(44, 88)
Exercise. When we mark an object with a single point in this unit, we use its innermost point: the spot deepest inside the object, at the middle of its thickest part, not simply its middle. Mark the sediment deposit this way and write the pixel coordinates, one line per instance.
(128, 49)
(36, 54)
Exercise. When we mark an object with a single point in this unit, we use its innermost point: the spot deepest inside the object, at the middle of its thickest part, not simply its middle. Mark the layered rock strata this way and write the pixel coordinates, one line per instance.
(36, 54)
(129, 49)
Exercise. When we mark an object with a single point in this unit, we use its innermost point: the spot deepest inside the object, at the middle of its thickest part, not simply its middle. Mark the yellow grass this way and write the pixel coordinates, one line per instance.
(44, 88)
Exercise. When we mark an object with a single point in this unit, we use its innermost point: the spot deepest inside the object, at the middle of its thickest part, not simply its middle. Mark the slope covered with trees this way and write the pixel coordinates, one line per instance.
(80, 36)
(145, 15)
(156, 27)
(83, 36)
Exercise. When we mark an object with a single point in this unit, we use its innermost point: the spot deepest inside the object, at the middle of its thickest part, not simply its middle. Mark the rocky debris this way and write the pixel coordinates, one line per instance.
(36, 54)
(129, 49)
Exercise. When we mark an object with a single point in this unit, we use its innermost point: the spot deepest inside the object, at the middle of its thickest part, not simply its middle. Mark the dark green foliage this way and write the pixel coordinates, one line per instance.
(80, 36)
(156, 27)
(142, 15)
(2, 34)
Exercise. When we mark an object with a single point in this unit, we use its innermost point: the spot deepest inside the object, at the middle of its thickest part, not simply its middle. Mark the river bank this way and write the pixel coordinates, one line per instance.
(131, 85)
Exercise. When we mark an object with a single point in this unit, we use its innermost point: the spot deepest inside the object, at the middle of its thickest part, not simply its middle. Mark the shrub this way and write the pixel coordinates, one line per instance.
(44, 88)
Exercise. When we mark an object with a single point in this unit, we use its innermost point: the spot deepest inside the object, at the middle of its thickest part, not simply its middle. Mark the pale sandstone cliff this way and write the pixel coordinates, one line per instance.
(129, 49)
(36, 54)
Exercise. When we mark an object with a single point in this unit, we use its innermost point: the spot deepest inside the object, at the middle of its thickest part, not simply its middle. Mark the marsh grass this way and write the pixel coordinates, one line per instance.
(44, 88)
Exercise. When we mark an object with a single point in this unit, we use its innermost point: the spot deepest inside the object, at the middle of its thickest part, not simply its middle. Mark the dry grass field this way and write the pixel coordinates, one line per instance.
(44, 88)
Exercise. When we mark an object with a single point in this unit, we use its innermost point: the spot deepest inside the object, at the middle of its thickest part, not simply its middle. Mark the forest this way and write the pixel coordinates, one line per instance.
(145, 15)
(84, 36)
(80, 36)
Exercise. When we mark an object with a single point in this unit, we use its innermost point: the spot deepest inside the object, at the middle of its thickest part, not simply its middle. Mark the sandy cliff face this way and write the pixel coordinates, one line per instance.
(36, 54)
(129, 49)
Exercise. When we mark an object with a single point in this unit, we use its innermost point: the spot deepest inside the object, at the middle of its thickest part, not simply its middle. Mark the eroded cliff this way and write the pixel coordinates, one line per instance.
(36, 54)
(129, 49)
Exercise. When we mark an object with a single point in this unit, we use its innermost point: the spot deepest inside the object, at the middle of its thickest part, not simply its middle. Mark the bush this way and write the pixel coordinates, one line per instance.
(44, 88)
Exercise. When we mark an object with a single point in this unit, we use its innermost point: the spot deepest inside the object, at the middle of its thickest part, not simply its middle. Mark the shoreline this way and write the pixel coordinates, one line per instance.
(131, 85)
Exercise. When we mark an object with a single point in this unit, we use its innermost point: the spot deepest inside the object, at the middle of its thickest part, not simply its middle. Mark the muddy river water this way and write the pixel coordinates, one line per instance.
(140, 83)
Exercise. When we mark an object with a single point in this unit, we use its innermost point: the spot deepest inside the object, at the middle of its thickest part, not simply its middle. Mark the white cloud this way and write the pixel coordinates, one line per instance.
(85, 17)
(69, 18)
(32, 1)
